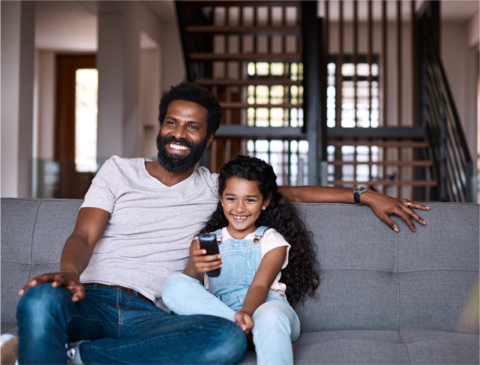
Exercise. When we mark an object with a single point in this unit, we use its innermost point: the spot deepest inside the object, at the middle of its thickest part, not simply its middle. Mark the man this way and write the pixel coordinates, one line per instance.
(133, 231)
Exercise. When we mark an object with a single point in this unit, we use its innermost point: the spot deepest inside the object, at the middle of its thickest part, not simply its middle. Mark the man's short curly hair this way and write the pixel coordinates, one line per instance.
(192, 92)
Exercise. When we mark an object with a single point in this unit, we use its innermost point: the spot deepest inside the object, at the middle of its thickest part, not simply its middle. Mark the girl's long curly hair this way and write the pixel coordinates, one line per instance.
(301, 274)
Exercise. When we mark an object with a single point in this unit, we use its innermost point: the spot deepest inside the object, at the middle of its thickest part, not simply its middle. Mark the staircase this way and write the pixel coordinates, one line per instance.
(270, 66)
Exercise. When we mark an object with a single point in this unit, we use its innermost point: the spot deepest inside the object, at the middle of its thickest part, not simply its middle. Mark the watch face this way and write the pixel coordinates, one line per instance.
(359, 189)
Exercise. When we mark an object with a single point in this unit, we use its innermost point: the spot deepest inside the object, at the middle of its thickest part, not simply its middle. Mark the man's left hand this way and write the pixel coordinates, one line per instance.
(384, 206)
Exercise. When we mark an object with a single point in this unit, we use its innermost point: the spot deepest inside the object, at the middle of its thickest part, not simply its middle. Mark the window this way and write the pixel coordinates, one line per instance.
(348, 90)
(86, 90)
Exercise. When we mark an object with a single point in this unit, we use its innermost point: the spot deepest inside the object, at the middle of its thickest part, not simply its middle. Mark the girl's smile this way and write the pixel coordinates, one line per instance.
(242, 204)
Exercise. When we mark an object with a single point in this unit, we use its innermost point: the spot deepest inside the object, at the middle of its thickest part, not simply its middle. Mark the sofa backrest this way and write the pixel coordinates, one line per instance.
(33, 234)
(372, 277)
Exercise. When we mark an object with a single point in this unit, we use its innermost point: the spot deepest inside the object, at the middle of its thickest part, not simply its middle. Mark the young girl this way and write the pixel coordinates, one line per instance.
(267, 261)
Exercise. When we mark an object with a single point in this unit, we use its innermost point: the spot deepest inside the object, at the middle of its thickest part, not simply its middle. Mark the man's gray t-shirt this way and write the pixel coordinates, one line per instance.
(151, 227)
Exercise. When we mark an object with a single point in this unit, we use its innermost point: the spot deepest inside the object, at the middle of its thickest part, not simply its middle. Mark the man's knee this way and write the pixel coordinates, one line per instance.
(41, 303)
(232, 344)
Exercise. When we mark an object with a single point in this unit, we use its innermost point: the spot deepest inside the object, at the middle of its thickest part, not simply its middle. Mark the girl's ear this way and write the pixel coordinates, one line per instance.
(265, 203)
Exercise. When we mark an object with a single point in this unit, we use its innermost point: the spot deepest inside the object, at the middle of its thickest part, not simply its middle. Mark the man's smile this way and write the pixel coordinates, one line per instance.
(178, 147)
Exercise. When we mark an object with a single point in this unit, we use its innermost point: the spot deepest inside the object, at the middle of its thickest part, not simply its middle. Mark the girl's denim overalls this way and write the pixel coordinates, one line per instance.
(242, 260)
(276, 323)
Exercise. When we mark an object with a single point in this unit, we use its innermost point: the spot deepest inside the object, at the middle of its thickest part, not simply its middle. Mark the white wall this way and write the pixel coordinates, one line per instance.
(132, 18)
(150, 84)
(173, 64)
(45, 102)
(459, 54)
(17, 28)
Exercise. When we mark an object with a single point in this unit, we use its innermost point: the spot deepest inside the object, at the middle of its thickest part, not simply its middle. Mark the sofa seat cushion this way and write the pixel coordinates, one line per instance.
(382, 347)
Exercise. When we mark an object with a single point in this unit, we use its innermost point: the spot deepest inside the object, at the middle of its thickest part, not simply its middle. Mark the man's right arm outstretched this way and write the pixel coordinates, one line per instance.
(76, 254)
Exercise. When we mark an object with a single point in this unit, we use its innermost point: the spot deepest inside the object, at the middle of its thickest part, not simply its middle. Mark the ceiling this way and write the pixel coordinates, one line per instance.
(72, 25)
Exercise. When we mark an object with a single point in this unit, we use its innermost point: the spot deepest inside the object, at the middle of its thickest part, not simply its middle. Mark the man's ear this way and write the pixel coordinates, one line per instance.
(210, 139)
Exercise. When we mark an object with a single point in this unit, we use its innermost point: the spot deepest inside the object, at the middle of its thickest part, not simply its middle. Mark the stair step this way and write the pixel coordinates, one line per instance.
(386, 182)
(379, 144)
(229, 105)
(254, 57)
(243, 3)
(246, 82)
(384, 163)
(257, 30)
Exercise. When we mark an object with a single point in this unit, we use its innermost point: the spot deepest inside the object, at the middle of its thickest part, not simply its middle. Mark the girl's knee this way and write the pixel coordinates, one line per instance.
(176, 285)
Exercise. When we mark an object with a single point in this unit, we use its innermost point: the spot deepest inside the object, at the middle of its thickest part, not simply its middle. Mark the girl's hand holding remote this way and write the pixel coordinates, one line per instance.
(244, 320)
(199, 263)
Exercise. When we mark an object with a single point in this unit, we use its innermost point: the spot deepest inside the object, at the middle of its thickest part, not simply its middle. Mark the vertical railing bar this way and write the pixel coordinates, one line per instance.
(413, 88)
(355, 80)
(254, 36)
(384, 85)
(289, 161)
(399, 88)
(327, 31)
(370, 87)
(339, 70)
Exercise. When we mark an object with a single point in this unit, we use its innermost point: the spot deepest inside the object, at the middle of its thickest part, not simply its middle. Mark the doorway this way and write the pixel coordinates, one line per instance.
(75, 124)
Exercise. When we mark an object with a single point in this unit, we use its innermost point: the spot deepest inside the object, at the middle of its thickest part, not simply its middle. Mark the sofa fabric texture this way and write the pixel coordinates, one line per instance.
(384, 297)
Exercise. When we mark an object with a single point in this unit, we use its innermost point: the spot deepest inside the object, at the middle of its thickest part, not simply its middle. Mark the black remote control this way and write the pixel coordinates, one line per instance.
(208, 241)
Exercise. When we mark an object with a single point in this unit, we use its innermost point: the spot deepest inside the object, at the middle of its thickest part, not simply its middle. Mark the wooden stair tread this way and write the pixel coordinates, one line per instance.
(384, 163)
(258, 29)
(258, 57)
(246, 82)
(233, 105)
(379, 144)
(386, 182)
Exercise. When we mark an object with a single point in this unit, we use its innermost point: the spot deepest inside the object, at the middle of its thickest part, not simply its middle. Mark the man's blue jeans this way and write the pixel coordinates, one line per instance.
(122, 329)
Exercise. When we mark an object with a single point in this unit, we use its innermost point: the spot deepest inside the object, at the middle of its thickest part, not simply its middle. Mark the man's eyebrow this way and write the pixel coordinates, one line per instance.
(190, 121)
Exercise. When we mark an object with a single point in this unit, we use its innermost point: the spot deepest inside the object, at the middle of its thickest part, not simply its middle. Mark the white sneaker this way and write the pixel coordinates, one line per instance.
(73, 352)
(8, 345)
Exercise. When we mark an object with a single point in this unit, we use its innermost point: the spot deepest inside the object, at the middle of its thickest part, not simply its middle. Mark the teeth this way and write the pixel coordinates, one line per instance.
(239, 217)
(178, 147)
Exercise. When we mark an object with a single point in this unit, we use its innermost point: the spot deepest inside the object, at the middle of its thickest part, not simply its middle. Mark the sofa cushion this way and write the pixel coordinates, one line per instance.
(382, 347)
(376, 279)
(33, 234)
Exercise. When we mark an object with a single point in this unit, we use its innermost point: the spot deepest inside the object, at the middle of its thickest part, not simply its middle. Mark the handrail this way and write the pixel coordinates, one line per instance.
(453, 166)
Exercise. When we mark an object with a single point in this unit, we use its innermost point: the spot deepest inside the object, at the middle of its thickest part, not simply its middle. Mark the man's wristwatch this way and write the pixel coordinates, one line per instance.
(357, 191)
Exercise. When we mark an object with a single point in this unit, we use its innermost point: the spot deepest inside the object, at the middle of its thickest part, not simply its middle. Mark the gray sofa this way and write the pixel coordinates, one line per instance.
(385, 298)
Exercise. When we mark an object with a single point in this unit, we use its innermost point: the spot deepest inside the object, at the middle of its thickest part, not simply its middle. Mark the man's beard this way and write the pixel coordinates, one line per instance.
(175, 163)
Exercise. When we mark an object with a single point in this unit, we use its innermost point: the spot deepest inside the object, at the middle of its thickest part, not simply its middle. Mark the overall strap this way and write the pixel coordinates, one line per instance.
(219, 235)
(259, 233)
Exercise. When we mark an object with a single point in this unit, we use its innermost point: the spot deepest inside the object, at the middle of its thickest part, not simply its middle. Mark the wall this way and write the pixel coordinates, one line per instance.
(150, 85)
(173, 64)
(17, 28)
(459, 61)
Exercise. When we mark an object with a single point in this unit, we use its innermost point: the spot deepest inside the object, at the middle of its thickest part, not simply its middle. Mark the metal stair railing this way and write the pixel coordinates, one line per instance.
(452, 162)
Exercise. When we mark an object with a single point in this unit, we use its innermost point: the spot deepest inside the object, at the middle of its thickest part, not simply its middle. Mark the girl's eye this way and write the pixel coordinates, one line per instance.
(231, 199)
(251, 200)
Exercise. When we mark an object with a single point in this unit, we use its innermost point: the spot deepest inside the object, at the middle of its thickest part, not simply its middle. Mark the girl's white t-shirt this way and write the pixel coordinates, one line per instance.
(271, 239)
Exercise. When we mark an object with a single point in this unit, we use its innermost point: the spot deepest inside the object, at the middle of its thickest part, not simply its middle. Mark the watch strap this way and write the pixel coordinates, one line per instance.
(356, 197)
